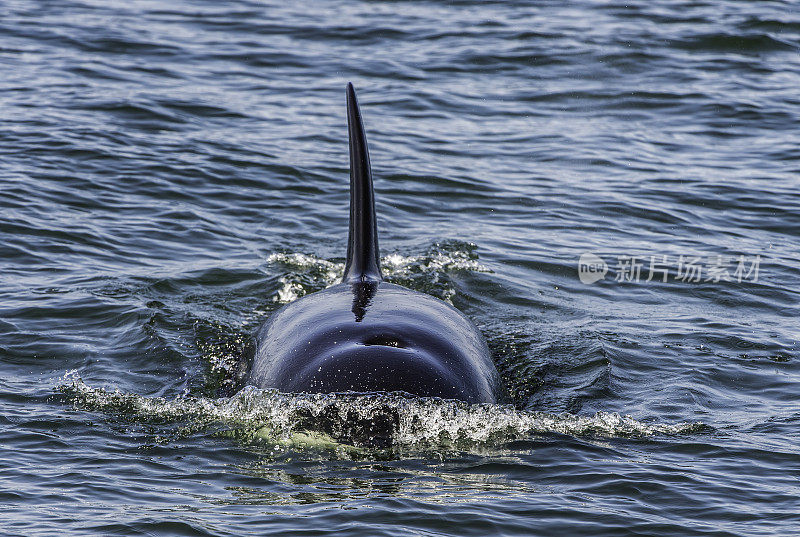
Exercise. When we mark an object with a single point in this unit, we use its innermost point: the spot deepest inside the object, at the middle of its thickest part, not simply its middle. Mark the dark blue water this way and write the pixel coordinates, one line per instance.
(172, 172)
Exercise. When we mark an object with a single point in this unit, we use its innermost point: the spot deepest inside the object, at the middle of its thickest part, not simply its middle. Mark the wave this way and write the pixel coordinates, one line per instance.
(425, 272)
(395, 421)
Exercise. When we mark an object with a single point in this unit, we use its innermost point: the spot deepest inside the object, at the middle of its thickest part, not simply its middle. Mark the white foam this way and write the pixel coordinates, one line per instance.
(421, 422)
(309, 273)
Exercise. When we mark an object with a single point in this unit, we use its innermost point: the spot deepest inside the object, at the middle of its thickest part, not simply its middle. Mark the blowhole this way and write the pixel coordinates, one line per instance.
(384, 341)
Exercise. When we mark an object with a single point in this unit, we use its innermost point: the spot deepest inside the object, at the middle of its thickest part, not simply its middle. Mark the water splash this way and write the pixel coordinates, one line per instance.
(364, 420)
(308, 274)
(426, 272)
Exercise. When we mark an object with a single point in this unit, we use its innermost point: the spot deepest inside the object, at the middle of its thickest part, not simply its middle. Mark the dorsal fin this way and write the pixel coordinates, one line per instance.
(363, 260)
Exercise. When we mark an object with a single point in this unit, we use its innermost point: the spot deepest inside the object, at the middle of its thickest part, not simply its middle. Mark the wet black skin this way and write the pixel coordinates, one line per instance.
(374, 336)
(367, 335)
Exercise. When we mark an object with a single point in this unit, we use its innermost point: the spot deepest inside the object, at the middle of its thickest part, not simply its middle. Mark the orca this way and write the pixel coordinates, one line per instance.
(365, 334)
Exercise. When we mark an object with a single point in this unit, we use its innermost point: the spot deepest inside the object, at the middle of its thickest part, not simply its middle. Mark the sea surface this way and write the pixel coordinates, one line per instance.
(609, 190)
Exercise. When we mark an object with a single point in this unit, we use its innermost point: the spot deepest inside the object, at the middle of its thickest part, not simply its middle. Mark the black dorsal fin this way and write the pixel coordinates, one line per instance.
(363, 260)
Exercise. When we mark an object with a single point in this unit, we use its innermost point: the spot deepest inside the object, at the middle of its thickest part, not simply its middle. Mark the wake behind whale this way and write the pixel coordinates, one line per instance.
(367, 335)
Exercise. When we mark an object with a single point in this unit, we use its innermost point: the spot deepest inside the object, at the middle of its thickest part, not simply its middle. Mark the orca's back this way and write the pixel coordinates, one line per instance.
(392, 339)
